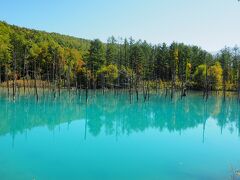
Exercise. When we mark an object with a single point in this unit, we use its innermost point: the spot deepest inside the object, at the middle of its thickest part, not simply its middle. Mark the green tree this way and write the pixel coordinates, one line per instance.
(108, 75)
(96, 57)
(162, 62)
(215, 76)
(136, 61)
(174, 61)
(5, 50)
(111, 51)
(200, 76)
(225, 60)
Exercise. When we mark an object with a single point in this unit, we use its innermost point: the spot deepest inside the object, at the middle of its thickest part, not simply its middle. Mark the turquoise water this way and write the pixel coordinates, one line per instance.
(111, 138)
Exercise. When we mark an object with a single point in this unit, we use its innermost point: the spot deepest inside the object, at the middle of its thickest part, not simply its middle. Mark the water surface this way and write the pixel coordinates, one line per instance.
(111, 138)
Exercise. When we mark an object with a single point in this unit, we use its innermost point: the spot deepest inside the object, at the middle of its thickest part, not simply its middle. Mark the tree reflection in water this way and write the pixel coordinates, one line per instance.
(113, 114)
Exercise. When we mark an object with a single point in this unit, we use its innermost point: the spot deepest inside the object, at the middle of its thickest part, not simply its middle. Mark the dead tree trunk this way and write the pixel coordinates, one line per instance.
(6, 71)
(173, 84)
(59, 76)
(166, 89)
(86, 86)
(76, 81)
(76, 85)
(136, 89)
(183, 85)
(0, 74)
(68, 79)
(224, 87)
(43, 85)
(53, 75)
(148, 90)
(24, 71)
(14, 76)
(238, 84)
(35, 80)
(130, 89)
(207, 83)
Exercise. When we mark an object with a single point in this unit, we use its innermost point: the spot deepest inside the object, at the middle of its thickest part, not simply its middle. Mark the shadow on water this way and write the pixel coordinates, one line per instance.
(114, 113)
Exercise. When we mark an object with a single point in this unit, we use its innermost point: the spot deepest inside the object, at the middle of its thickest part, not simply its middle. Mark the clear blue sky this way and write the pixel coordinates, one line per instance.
(211, 24)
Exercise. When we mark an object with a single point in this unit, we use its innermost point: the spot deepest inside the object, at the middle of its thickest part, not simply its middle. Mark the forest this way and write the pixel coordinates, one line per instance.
(37, 59)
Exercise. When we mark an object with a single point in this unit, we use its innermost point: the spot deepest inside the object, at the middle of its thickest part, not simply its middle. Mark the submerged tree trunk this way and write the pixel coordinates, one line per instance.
(27, 80)
(54, 76)
(59, 83)
(173, 84)
(207, 83)
(24, 72)
(182, 89)
(48, 79)
(86, 86)
(35, 80)
(59, 76)
(14, 76)
(144, 92)
(136, 89)
(0, 74)
(43, 86)
(76, 86)
(148, 90)
(183, 85)
(59, 87)
(7, 79)
(68, 80)
(131, 88)
(76, 82)
(238, 85)
(224, 88)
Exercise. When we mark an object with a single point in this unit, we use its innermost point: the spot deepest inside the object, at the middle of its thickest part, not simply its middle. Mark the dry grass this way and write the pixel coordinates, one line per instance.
(28, 83)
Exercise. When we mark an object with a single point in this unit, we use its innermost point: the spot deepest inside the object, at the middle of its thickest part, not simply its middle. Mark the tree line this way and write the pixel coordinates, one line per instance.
(31, 58)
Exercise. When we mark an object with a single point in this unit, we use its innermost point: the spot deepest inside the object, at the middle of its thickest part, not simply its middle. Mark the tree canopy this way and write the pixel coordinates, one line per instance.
(54, 57)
